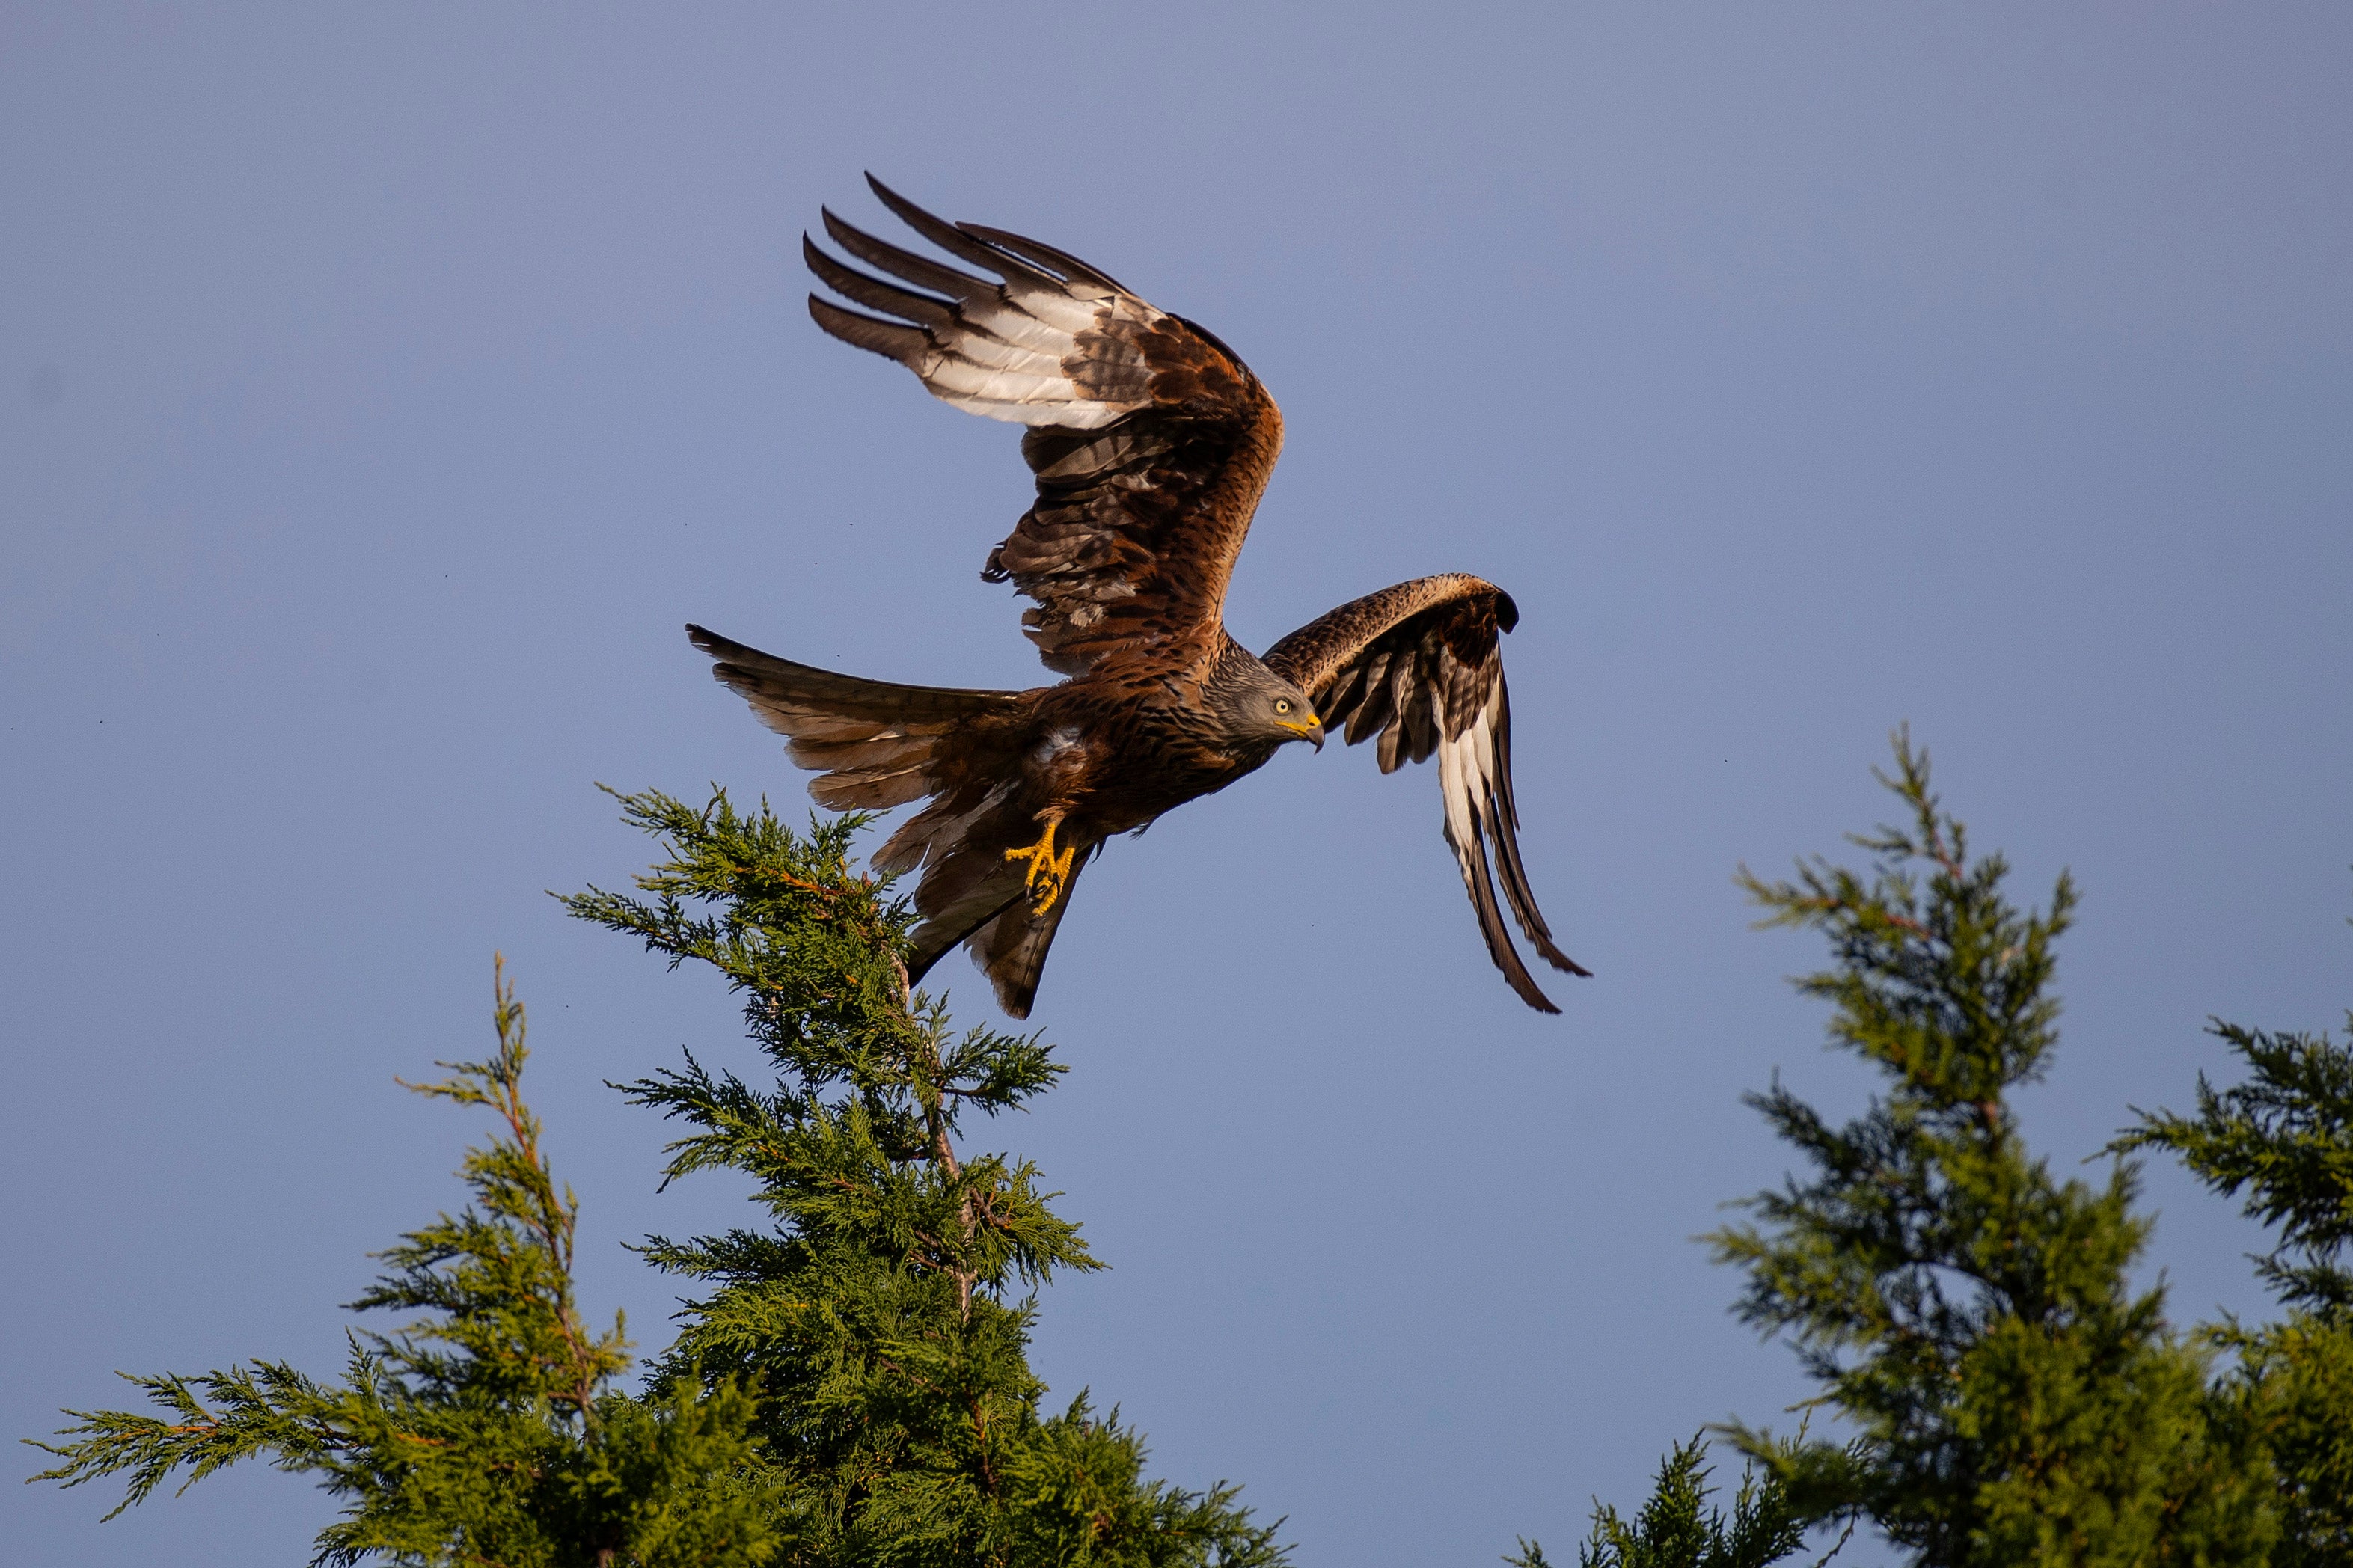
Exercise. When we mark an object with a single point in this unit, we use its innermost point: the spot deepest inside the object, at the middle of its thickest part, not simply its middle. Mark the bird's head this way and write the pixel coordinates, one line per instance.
(1258, 710)
(1286, 714)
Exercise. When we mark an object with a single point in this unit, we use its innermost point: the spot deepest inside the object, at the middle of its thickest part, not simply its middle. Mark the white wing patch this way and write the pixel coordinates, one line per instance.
(1035, 347)
(1417, 668)
(1466, 778)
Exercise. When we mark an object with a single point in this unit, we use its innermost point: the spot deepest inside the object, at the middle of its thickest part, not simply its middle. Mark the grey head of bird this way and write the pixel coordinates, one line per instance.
(1258, 709)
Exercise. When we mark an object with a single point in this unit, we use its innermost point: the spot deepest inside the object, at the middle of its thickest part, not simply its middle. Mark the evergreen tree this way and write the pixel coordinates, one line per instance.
(851, 1389)
(2013, 1401)
(877, 1310)
(488, 1430)
(1677, 1529)
(2285, 1136)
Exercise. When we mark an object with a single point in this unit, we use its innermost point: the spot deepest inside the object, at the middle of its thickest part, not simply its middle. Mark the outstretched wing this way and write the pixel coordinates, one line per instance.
(1150, 439)
(1419, 666)
(877, 744)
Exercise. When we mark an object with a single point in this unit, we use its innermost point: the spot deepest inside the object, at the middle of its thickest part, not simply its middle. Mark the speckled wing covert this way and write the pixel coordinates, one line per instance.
(1420, 667)
(1150, 439)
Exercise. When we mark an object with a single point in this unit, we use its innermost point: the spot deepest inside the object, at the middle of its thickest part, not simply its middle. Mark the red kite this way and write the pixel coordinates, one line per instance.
(1151, 443)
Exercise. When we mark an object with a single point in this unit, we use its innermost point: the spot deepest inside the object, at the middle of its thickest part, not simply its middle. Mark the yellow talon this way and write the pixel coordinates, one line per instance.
(1049, 873)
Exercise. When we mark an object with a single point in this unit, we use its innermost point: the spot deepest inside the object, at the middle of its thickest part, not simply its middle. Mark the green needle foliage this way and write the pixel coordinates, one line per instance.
(850, 1386)
(883, 1310)
(1968, 1316)
(488, 1430)
(2285, 1137)
(1677, 1529)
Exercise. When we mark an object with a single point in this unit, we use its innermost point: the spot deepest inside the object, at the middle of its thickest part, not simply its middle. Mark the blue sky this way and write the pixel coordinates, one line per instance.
(380, 389)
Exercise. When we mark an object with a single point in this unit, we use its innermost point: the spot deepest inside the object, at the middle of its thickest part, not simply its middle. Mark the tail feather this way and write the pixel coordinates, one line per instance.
(938, 936)
(965, 886)
(1011, 948)
(986, 907)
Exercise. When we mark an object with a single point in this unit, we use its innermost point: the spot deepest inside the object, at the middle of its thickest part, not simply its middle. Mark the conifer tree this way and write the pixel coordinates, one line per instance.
(2285, 1137)
(1968, 1316)
(1677, 1529)
(880, 1311)
(487, 1430)
(851, 1389)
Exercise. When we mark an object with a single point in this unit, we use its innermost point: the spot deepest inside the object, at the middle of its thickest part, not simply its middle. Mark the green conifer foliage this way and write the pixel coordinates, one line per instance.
(487, 1430)
(1968, 1316)
(1677, 1529)
(880, 1310)
(2285, 1137)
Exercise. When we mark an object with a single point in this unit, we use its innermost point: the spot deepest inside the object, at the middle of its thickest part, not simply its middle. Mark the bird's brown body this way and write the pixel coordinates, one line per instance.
(1108, 754)
(1151, 443)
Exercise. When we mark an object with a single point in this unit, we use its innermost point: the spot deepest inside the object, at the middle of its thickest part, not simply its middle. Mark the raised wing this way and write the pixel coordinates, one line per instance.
(1150, 439)
(1420, 667)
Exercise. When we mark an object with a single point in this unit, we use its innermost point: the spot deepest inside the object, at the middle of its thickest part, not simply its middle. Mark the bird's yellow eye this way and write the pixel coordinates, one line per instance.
(1282, 704)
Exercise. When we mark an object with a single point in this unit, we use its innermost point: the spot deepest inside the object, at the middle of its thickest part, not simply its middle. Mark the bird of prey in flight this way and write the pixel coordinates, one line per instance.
(1151, 442)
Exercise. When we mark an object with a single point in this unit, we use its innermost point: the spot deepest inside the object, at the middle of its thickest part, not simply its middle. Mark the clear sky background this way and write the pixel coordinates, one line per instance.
(381, 388)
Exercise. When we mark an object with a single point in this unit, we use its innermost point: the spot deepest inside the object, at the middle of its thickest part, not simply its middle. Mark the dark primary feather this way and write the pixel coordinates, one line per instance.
(1061, 261)
(877, 743)
(1420, 667)
(1151, 441)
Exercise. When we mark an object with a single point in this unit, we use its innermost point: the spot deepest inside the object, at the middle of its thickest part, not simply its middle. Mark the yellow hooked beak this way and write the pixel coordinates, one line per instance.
(1308, 729)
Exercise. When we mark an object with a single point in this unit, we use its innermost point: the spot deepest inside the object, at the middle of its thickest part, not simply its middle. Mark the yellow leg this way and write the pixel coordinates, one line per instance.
(1049, 873)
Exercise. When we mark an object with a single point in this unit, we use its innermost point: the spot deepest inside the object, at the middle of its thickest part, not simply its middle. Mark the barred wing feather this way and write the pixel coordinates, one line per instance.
(1419, 667)
(1149, 439)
